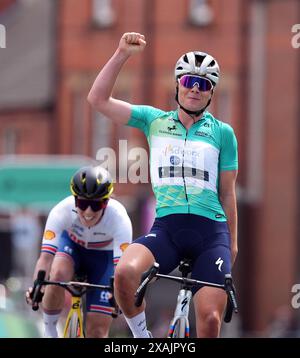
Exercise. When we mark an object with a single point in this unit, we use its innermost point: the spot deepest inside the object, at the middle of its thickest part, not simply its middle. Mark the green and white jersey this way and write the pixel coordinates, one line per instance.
(185, 164)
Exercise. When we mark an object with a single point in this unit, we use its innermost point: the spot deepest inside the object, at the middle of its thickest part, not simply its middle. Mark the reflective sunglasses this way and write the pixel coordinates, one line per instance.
(95, 205)
(189, 81)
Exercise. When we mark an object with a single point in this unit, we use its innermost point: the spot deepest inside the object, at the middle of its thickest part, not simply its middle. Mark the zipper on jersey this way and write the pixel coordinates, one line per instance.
(183, 177)
(182, 166)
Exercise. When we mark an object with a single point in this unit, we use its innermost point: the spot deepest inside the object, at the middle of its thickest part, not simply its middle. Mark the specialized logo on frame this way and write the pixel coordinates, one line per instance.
(2, 36)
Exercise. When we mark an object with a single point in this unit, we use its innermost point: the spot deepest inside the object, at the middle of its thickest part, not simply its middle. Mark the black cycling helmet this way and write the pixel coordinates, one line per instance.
(92, 183)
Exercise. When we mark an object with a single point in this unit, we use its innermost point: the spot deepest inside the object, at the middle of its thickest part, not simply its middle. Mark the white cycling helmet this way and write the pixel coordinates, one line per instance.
(198, 63)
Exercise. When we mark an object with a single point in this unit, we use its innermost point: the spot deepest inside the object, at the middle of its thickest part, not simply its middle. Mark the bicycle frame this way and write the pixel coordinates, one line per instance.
(74, 322)
(181, 314)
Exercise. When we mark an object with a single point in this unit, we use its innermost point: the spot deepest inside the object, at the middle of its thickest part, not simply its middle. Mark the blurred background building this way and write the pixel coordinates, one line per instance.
(54, 50)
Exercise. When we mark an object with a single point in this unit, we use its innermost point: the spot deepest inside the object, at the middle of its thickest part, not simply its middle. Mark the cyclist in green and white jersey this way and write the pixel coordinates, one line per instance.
(193, 163)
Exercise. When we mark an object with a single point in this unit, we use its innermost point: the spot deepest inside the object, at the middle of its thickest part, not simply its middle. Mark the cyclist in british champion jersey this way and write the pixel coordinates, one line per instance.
(85, 234)
(193, 164)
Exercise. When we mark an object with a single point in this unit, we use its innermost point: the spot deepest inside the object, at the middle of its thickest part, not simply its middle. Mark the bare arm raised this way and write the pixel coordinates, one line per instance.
(100, 94)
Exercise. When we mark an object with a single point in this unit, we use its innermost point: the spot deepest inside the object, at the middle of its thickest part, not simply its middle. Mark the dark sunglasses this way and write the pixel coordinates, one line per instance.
(95, 205)
(189, 81)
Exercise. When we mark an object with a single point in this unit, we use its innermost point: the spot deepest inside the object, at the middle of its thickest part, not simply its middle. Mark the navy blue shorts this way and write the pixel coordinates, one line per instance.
(97, 265)
(204, 241)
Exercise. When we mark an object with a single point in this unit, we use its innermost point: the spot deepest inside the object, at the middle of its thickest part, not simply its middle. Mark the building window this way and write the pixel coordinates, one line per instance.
(200, 13)
(103, 14)
(10, 141)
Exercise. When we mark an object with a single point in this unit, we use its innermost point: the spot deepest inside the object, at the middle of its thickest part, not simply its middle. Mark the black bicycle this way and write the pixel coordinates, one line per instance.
(179, 325)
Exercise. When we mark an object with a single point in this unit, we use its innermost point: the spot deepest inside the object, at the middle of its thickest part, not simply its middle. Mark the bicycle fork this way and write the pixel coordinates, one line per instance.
(180, 321)
(74, 322)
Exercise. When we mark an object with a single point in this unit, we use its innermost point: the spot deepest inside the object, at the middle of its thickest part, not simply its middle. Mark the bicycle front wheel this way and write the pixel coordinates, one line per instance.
(74, 327)
(179, 328)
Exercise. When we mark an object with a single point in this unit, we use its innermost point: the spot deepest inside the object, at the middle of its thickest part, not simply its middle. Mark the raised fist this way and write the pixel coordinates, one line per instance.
(132, 42)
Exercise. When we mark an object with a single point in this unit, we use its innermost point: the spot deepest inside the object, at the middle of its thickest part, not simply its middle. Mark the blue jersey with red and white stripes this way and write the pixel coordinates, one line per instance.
(112, 233)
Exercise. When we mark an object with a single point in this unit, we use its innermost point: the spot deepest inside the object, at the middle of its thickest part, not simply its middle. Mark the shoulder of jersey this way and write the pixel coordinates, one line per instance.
(213, 120)
(168, 115)
(66, 204)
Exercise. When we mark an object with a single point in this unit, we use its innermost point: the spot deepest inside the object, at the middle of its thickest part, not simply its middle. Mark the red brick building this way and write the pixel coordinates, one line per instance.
(258, 95)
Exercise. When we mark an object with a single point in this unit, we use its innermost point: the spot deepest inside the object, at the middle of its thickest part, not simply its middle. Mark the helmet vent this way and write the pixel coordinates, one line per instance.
(83, 181)
(199, 60)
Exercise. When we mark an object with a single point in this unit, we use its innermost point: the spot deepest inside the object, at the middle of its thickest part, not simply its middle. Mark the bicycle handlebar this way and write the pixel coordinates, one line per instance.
(187, 284)
(146, 278)
(231, 299)
(36, 291)
(75, 288)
